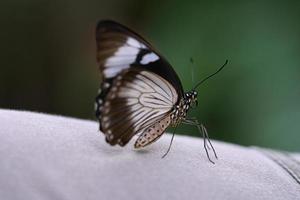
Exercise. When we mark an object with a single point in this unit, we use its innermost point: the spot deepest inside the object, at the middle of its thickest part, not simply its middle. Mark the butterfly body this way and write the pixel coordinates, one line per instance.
(180, 110)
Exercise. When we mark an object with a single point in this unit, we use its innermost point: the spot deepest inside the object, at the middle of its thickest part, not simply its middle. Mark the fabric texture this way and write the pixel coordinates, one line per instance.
(54, 157)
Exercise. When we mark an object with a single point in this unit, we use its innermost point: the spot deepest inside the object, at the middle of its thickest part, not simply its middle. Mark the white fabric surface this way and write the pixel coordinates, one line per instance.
(53, 157)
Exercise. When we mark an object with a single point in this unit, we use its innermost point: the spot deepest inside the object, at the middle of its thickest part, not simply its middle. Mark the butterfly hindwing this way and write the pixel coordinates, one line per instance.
(152, 133)
(136, 100)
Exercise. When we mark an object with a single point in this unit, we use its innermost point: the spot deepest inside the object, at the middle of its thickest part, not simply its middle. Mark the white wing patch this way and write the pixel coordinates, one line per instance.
(122, 58)
(148, 58)
(133, 42)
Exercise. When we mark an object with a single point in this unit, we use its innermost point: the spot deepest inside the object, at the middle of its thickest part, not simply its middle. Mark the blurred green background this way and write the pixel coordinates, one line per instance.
(48, 60)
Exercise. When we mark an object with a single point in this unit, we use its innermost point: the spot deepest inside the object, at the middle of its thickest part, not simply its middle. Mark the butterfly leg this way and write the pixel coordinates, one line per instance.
(205, 134)
(207, 137)
(169, 148)
(203, 130)
(200, 128)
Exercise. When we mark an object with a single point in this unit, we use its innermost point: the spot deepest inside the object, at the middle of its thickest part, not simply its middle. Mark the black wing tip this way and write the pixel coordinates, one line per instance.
(108, 23)
(105, 22)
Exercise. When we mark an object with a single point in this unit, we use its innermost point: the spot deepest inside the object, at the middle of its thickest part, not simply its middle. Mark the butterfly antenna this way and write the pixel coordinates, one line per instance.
(206, 78)
(192, 70)
(170, 143)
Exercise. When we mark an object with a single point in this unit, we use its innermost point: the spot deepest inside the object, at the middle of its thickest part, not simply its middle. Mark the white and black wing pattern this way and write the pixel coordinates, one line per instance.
(119, 48)
(137, 100)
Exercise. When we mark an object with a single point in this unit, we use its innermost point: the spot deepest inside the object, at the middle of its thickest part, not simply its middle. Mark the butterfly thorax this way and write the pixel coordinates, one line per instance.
(180, 110)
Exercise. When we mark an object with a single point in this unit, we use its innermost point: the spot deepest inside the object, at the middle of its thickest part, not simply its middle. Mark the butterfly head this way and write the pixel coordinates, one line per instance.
(191, 98)
(194, 98)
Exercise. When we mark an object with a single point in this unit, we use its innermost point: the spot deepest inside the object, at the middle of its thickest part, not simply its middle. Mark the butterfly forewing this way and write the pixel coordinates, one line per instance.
(119, 48)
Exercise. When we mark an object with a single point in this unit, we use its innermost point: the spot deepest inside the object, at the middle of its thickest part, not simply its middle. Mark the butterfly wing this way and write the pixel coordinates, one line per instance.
(136, 101)
(120, 48)
(152, 133)
(131, 97)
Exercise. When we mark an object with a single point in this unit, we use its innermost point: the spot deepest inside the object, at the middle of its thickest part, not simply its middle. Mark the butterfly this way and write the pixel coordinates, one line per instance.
(140, 93)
